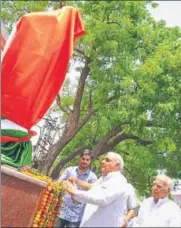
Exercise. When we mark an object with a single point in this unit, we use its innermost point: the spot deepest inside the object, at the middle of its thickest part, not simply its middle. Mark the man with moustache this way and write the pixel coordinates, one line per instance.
(71, 211)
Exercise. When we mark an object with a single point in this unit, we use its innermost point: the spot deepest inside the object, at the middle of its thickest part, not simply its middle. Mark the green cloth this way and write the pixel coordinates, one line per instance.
(16, 154)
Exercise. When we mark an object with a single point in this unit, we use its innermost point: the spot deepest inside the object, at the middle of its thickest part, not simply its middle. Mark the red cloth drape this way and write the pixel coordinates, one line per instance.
(35, 64)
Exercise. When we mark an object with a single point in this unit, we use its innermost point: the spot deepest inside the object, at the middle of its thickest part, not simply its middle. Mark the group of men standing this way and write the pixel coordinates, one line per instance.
(111, 201)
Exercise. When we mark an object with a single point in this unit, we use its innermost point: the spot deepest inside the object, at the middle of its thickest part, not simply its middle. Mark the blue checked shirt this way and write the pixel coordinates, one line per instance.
(73, 210)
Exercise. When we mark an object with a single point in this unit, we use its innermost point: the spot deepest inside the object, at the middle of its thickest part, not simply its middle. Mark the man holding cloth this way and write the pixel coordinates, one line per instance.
(107, 198)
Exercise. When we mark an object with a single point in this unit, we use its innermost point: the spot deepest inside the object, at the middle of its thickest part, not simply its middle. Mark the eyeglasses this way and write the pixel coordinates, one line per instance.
(158, 186)
(106, 159)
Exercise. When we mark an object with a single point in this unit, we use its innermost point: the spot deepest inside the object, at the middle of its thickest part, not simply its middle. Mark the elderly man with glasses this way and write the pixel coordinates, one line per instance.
(106, 199)
(159, 210)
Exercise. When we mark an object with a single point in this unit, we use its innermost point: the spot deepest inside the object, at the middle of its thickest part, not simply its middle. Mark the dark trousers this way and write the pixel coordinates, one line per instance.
(62, 223)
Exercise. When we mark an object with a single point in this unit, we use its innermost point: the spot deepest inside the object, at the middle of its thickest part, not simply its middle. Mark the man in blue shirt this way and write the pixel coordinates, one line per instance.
(72, 211)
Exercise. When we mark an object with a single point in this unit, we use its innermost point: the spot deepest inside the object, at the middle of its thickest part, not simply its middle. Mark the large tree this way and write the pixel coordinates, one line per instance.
(126, 58)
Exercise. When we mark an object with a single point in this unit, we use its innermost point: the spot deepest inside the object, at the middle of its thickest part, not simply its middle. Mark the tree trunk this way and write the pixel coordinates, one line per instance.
(101, 144)
(45, 166)
(74, 124)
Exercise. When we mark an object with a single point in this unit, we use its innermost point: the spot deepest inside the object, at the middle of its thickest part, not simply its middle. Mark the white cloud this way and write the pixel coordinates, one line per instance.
(170, 11)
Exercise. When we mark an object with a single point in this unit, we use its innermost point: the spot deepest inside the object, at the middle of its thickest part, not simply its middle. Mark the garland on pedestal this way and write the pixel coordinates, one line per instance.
(50, 202)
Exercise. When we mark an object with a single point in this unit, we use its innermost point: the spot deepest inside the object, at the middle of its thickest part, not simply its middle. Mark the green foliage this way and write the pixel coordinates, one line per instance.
(11, 11)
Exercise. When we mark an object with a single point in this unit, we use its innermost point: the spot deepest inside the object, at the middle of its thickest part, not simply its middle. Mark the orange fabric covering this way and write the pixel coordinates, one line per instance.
(35, 64)
(3, 41)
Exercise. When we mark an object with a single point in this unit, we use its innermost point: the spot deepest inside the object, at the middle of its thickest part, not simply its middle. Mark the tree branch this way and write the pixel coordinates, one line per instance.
(112, 98)
(79, 94)
(82, 53)
(90, 101)
(123, 137)
(114, 22)
(85, 119)
(59, 103)
(101, 144)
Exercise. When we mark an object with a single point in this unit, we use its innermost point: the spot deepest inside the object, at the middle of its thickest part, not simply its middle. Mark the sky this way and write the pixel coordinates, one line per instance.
(170, 11)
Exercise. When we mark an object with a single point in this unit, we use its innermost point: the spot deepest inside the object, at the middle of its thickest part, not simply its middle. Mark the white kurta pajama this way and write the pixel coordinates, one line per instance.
(106, 201)
(164, 213)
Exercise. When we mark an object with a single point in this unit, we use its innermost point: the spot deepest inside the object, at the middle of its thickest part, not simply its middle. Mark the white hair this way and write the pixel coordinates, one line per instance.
(118, 158)
(167, 179)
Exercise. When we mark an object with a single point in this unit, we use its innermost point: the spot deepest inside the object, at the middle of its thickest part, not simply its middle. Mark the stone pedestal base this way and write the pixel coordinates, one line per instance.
(20, 198)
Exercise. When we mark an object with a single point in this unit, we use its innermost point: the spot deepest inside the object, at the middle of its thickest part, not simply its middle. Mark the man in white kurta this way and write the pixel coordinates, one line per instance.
(158, 210)
(107, 199)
